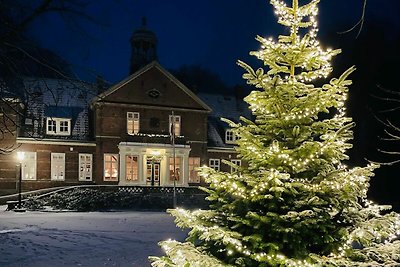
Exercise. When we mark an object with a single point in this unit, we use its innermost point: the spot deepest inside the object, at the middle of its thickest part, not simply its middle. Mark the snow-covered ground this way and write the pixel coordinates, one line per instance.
(83, 239)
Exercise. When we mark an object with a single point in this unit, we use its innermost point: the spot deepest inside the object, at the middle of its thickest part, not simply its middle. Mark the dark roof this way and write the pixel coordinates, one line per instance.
(58, 98)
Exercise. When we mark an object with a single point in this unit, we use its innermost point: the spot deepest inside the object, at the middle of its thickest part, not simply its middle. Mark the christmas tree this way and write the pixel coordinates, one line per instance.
(294, 203)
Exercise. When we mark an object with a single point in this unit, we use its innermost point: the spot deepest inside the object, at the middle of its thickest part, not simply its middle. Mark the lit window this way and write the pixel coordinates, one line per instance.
(237, 162)
(131, 163)
(85, 167)
(132, 122)
(214, 163)
(58, 126)
(57, 166)
(230, 137)
(29, 166)
(194, 163)
(178, 161)
(175, 124)
(110, 167)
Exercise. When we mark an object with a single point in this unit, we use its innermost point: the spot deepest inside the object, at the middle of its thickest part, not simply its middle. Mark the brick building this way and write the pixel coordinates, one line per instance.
(73, 132)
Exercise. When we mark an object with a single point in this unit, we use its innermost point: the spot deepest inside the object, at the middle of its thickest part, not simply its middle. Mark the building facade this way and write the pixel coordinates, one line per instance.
(147, 130)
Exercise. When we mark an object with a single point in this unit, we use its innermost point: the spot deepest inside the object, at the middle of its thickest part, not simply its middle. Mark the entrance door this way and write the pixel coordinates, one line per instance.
(153, 173)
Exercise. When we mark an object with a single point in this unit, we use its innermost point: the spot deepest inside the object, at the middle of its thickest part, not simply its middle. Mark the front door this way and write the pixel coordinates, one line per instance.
(153, 173)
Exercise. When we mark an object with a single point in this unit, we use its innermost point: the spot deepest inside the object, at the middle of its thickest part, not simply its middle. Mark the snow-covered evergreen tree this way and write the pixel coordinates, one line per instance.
(294, 203)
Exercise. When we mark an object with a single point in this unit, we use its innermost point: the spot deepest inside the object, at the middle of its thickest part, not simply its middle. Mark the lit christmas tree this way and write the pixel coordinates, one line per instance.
(294, 203)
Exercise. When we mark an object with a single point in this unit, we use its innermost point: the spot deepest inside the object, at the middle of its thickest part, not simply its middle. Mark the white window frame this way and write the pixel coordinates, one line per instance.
(57, 166)
(58, 127)
(28, 166)
(215, 164)
(178, 168)
(194, 177)
(135, 175)
(177, 125)
(237, 162)
(111, 178)
(230, 137)
(85, 167)
(133, 120)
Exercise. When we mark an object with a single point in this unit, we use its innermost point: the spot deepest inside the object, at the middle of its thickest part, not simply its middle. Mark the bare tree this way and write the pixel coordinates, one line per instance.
(20, 56)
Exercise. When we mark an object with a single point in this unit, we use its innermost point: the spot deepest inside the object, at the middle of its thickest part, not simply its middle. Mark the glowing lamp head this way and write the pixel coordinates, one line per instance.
(20, 156)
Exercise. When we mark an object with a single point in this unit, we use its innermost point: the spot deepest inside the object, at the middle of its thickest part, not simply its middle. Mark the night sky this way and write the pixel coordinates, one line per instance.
(213, 34)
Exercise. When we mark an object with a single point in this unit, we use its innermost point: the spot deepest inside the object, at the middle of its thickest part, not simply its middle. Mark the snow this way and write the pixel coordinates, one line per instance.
(83, 238)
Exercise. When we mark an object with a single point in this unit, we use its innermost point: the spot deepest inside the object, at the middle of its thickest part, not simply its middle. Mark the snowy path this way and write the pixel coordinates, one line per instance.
(83, 239)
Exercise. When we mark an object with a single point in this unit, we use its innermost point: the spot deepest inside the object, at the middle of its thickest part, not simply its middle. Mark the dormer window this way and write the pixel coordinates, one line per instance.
(58, 126)
(230, 137)
(132, 122)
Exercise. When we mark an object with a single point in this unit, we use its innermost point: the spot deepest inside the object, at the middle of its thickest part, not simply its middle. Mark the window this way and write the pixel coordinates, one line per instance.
(178, 161)
(57, 166)
(58, 126)
(64, 126)
(175, 124)
(85, 167)
(29, 166)
(194, 163)
(214, 163)
(237, 162)
(110, 167)
(230, 136)
(131, 163)
(51, 126)
(132, 122)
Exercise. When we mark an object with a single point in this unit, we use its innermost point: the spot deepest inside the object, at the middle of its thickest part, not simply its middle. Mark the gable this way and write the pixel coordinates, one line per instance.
(153, 86)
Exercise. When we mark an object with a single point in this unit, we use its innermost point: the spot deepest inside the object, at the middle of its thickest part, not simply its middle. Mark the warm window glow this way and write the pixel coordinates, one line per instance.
(175, 124)
(85, 167)
(110, 167)
(132, 122)
(131, 168)
(194, 163)
(214, 163)
(28, 165)
(178, 161)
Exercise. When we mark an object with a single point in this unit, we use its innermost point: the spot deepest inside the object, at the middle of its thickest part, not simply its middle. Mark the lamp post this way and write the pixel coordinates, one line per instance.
(20, 156)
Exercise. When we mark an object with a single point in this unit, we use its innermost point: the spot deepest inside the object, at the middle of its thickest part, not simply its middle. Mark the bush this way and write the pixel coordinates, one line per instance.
(94, 199)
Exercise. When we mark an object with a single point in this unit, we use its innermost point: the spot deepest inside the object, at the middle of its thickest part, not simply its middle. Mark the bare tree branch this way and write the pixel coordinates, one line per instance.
(360, 22)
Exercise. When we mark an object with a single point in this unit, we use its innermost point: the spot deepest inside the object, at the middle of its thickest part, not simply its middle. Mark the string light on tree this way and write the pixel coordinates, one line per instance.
(294, 202)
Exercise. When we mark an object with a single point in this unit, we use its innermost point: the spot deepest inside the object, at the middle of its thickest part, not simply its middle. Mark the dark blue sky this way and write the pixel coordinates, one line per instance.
(211, 33)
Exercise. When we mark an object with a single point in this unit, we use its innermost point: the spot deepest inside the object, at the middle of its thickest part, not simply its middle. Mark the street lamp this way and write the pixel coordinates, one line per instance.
(20, 156)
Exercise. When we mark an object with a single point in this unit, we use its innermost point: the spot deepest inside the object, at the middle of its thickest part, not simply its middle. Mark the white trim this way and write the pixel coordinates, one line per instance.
(51, 142)
(217, 164)
(108, 136)
(237, 162)
(104, 167)
(151, 107)
(81, 169)
(232, 135)
(58, 122)
(146, 68)
(57, 162)
(133, 117)
(29, 161)
(222, 150)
